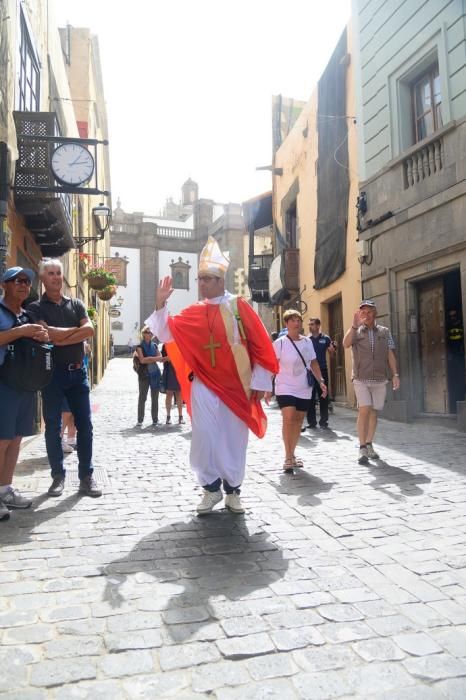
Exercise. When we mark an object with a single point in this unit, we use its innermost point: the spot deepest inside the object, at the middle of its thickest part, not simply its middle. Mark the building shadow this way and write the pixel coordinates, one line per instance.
(204, 563)
(385, 475)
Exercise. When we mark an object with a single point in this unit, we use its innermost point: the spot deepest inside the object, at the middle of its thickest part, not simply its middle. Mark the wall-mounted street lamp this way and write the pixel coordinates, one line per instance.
(101, 216)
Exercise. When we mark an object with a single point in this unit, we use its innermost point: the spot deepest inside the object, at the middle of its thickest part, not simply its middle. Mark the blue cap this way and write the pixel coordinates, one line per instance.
(367, 302)
(13, 272)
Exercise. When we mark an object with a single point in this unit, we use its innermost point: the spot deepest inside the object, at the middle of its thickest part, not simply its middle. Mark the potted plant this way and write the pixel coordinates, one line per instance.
(92, 313)
(99, 278)
(107, 292)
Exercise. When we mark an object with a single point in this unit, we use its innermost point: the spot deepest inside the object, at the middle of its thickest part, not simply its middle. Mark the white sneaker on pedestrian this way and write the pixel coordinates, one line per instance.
(233, 503)
(363, 456)
(4, 512)
(139, 425)
(371, 453)
(13, 499)
(208, 501)
(66, 447)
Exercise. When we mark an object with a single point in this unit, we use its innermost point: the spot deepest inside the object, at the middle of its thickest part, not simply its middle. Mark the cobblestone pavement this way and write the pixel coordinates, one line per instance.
(342, 581)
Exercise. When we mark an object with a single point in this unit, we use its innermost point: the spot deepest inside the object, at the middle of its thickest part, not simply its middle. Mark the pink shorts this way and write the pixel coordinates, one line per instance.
(370, 394)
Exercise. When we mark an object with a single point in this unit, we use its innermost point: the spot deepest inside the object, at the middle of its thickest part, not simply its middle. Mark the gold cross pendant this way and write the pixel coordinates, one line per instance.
(212, 347)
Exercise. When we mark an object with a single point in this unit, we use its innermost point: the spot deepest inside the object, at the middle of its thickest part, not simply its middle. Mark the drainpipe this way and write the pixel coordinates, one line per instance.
(3, 205)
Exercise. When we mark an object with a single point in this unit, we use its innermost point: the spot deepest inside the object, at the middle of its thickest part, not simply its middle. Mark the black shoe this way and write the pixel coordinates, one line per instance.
(324, 426)
(181, 420)
(89, 487)
(57, 486)
(168, 421)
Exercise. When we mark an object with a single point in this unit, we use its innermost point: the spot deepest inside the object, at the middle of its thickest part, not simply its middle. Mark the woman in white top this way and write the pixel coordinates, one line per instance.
(296, 355)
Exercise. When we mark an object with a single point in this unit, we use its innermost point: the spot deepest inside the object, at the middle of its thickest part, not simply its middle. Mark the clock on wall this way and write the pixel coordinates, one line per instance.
(72, 164)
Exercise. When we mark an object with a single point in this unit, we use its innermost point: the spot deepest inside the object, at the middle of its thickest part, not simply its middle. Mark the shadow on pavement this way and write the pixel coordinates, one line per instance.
(406, 481)
(22, 522)
(219, 562)
(305, 486)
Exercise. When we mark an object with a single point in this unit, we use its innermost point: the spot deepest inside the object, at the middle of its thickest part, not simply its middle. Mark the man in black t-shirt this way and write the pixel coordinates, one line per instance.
(322, 344)
(68, 326)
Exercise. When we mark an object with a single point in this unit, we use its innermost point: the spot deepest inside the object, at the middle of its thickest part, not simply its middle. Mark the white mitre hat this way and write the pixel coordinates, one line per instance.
(212, 261)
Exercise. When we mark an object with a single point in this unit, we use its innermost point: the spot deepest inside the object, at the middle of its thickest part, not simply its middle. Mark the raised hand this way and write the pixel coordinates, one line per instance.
(164, 290)
(357, 319)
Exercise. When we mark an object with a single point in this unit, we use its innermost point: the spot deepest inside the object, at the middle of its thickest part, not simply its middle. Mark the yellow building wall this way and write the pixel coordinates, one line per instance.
(298, 156)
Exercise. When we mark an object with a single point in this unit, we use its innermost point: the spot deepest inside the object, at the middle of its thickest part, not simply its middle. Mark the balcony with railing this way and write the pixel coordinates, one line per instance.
(258, 278)
(47, 214)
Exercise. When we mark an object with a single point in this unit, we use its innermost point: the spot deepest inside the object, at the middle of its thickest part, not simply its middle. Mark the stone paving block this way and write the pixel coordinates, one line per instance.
(423, 615)
(17, 618)
(294, 618)
(271, 666)
(13, 663)
(177, 634)
(240, 626)
(378, 650)
(50, 673)
(126, 663)
(209, 677)
(288, 639)
(326, 658)
(187, 655)
(25, 694)
(156, 685)
(91, 690)
(34, 634)
(69, 647)
(417, 692)
(134, 621)
(369, 679)
(355, 595)
(453, 640)
(454, 612)
(420, 644)
(390, 625)
(320, 686)
(343, 612)
(78, 627)
(243, 647)
(73, 612)
(337, 632)
(141, 639)
(435, 667)
(453, 688)
(375, 608)
(410, 582)
(275, 689)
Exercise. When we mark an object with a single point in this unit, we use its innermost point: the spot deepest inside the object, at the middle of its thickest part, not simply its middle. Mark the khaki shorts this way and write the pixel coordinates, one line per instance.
(371, 394)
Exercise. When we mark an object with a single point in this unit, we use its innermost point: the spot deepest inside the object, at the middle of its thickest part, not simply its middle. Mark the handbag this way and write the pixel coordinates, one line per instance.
(309, 375)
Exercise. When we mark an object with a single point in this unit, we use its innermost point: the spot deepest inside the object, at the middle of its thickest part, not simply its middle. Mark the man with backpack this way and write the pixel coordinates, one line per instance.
(16, 405)
(68, 326)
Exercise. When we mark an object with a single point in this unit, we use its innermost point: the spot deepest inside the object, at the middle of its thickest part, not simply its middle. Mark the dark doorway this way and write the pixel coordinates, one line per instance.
(441, 335)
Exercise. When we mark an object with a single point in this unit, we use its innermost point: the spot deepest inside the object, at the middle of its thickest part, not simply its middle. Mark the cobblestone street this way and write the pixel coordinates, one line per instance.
(341, 581)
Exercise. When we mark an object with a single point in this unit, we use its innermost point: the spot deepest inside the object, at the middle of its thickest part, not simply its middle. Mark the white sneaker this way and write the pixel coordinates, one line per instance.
(363, 456)
(138, 425)
(67, 449)
(13, 499)
(233, 503)
(72, 442)
(208, 501)
(4, 512)
(371, 453)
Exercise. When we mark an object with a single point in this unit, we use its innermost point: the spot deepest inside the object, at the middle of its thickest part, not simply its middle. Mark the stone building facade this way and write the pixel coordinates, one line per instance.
(411, 76)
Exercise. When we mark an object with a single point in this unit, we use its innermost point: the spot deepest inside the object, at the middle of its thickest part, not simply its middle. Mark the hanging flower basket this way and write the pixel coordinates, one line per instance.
(107, 293)
(98, 278)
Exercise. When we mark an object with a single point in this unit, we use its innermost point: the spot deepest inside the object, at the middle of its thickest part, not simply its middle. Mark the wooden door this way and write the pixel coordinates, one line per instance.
(337, 362)
(433, 346)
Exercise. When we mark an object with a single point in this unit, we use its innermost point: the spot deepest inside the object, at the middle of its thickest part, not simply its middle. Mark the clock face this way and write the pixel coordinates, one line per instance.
(72, 164)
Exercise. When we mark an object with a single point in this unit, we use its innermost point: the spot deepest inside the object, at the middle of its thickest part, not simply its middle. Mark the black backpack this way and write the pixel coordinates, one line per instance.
(28, 364)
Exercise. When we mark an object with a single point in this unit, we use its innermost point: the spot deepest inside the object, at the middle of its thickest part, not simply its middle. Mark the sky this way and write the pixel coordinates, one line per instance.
(189, 84)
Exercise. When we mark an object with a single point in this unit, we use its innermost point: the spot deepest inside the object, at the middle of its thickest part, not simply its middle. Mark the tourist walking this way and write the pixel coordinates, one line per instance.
(374, 360)
(224, 363)
(322, 344)
(293, 383)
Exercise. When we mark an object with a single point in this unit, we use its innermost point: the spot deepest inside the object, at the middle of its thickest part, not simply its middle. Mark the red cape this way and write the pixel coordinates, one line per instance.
(191, 330)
